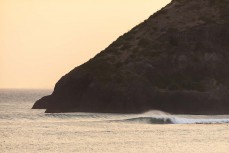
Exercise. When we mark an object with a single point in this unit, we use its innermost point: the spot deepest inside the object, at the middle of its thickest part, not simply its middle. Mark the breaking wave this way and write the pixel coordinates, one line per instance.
(176, 120)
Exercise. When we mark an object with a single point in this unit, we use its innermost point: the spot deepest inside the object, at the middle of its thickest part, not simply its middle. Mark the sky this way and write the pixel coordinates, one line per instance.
(42, 40)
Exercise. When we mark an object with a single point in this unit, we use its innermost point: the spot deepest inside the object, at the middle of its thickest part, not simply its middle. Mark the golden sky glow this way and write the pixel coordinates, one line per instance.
(41, 40)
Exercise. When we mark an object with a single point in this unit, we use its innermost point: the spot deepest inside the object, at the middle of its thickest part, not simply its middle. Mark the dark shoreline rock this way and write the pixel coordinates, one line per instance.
(191, 102)
(176, 61)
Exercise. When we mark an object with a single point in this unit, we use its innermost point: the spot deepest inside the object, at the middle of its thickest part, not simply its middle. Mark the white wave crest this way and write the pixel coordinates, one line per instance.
(176, 120)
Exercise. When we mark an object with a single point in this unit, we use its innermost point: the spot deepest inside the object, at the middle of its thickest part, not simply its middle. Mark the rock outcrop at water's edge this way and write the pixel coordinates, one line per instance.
(175, 61)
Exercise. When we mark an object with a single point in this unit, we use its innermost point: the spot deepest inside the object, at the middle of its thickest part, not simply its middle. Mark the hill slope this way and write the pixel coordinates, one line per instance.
(175, 61)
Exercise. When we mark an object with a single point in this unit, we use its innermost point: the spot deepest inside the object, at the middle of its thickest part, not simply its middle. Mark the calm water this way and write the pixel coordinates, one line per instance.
(26, 130)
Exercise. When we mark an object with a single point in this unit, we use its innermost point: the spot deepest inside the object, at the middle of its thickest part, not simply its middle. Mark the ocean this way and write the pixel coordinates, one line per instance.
(23, 130)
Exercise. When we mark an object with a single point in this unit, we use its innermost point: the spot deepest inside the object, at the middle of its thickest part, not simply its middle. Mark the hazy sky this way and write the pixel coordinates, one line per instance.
(41, 40)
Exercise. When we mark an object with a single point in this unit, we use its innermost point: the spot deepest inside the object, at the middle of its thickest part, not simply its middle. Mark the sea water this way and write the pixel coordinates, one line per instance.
(25, 130)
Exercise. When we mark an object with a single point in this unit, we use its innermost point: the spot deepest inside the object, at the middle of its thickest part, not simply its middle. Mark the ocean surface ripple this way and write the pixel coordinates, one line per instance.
(25, 130)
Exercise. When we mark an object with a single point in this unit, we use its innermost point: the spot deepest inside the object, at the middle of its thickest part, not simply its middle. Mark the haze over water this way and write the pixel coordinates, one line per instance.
(26, 130)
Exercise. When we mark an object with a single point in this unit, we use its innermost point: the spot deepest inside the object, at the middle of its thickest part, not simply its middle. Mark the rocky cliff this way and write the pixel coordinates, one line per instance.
(175, 61)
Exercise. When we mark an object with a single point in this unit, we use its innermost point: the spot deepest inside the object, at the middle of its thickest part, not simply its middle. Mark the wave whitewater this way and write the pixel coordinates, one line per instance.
(176, 120)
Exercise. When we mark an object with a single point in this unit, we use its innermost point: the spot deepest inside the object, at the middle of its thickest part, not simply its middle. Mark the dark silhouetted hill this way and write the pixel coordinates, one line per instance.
(176, 61)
